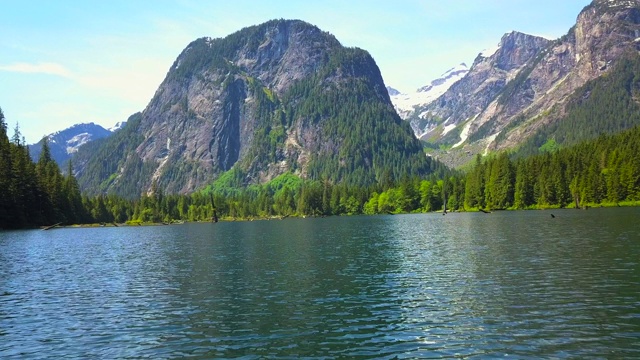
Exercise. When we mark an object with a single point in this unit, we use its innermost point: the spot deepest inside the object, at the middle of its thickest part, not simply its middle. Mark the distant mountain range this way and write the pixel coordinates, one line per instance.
(286, 97)
(407, 104)
(532, 91)
(65, 143)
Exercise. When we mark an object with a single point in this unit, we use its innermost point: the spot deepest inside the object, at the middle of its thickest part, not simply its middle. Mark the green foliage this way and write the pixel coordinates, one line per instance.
(358, 138)
(98, 176)
(601, 171)
(550, 146)
(34, 194)
(339, 114)
(228, 183)
(286, 180)
(606, 105)
(361, 138)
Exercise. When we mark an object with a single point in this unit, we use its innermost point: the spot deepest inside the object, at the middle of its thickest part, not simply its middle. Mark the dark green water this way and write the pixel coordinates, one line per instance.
(515, 284)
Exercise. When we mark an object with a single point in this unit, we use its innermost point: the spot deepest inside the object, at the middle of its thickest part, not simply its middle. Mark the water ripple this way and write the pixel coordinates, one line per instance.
(417, 286)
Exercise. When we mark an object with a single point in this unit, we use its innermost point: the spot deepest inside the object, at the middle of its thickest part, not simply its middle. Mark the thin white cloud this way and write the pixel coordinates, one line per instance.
(38, 68)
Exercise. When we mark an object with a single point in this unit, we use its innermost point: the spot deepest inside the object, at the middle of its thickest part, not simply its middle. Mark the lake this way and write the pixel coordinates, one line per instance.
(515, 284)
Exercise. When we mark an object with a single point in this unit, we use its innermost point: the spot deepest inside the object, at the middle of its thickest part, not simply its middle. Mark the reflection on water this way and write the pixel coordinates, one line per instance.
(504, 284)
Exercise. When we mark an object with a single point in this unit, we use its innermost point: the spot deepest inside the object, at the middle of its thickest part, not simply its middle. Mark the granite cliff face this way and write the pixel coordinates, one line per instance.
(508, 96)
(264, 100)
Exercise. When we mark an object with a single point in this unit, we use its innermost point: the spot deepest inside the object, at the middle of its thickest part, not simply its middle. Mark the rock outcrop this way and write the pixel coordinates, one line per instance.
(472, 96)
(506, 97)
(265, 100)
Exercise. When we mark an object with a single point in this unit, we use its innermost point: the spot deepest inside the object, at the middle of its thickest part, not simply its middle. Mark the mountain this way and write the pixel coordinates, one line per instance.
(119, 125)
(270, 99)
(63, 144)
(533, 91)
(392, 92)
(485, 80)
(407, 104)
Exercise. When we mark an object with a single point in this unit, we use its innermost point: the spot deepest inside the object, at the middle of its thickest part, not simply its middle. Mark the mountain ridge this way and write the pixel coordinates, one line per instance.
(406, 104)
(266, 100)
(510, 96)
(63, 144)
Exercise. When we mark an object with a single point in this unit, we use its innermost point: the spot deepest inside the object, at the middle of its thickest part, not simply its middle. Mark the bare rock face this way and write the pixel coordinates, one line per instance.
(485, 81)
(246, 101)
(604, 32)
(524, 85)
(203, 112)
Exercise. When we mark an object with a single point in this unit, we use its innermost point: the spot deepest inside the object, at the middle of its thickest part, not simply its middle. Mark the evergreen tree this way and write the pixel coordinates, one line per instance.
(48, 175)
(73, 198)
(6, 174)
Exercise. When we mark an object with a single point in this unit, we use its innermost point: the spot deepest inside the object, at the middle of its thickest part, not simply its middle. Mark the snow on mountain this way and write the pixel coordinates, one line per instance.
(489, 52)
(64, 143)
(119, 125)
(406, 103)
(392, 91)
(76, 141)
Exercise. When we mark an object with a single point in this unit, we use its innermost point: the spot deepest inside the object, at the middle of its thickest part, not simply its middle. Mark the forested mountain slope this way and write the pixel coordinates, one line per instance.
(34, 194)
(279, 97)
(533, 91)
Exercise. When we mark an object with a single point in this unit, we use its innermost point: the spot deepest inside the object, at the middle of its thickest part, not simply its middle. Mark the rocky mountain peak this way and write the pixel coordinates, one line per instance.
(268, 99)
(277, 53)
(604, 31)
(516, 49)
(455, 73)
(392, 91)
(406, 104)
(523, 86)
(480, 85)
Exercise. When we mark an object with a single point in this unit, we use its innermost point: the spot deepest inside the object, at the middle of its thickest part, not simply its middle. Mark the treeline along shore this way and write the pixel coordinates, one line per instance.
(600, 172)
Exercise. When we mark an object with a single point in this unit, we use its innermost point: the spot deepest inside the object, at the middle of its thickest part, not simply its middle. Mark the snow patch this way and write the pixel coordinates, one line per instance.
(406, 103)
(423, 114)
(621, 3)
(490, 140)
(119, 125)
(75, 142)
(464, 135)
(448, 128)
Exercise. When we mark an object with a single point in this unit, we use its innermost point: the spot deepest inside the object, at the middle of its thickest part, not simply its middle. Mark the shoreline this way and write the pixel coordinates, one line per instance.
(229, 219)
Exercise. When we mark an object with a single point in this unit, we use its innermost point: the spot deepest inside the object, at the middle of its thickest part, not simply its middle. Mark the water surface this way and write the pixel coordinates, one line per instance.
(519, 284)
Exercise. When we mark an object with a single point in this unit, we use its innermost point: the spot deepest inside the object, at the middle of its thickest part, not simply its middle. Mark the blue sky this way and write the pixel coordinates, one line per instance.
(66, 62)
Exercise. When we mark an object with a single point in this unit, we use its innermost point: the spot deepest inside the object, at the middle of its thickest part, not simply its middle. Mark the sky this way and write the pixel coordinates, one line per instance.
(66, 62)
